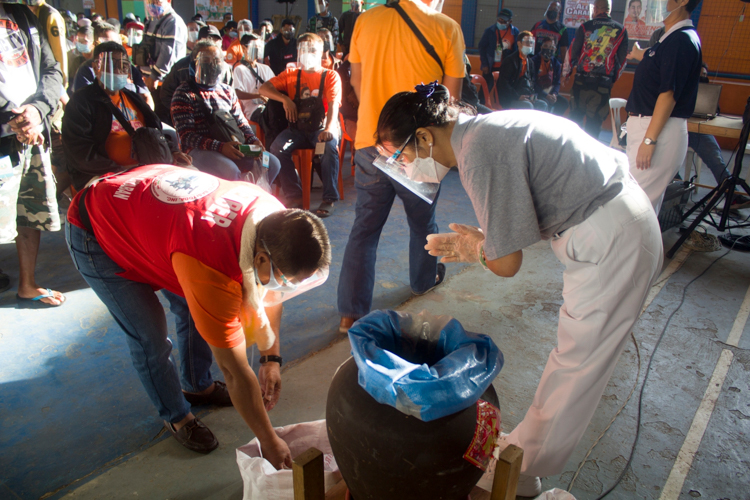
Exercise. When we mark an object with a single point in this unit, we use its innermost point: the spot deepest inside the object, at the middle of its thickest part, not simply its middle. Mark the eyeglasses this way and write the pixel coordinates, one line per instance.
(394, 156)
(285, 281)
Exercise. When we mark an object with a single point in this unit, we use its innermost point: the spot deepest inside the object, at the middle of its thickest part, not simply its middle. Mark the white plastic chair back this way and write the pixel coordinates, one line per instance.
(615, 105)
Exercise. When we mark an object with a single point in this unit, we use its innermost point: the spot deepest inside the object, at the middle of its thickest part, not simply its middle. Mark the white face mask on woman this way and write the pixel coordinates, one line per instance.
(425, 169)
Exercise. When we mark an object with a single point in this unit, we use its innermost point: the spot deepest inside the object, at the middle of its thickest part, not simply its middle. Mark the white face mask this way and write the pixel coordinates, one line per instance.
(425, 169)
(192, 36)
(310, 61)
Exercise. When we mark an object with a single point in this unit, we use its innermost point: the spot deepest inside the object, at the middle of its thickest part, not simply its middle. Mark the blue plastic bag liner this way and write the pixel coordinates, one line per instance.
(423, 365)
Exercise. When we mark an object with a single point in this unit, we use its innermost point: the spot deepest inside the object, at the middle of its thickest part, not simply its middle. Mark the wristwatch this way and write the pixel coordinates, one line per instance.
(649, 142)
(271, 358)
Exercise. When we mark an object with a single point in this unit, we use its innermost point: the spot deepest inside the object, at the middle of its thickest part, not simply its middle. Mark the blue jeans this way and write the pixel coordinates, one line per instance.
(708, 150)
(136, 308)
(375, 194)
(215, 163)
(539, 104)
(283, 147)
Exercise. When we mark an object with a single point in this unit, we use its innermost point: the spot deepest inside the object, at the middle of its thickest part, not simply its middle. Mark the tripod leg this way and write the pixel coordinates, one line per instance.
(709, 206)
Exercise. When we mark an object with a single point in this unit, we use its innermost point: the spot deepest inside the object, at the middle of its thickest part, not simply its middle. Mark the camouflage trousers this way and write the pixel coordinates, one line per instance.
(27, 192)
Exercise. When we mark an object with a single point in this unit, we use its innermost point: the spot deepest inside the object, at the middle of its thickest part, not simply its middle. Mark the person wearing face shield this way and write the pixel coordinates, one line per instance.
(197, 104)
(235, 52)
(515, 84)
(134, 35)
(323, 19)
(265, 30)
(600, 226)
(498, 41)
(231, 255)
(184, 70)
(249, 74)
(329, 59)
(166, 38)
(193, 28)
(282, 50)
(552, 27)
(547, 81)
(598, 65)
(346, 23)
(311, 97)
(94, 140)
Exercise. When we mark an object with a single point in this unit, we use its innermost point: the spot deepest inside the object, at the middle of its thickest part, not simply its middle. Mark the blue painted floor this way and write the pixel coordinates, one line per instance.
(70, 403)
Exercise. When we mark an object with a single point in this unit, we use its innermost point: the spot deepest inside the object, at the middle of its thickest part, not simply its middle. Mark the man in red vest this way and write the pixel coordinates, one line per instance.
(226, 254)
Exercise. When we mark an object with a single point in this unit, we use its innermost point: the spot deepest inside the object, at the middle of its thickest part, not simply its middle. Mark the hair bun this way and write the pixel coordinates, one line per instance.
(433, 90)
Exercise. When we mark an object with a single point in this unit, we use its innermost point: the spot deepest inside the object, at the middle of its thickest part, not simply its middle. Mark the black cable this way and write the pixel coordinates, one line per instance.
(648, 371)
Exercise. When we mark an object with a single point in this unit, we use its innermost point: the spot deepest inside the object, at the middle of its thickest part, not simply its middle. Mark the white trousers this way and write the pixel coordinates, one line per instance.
(611, 260)
(669, 155)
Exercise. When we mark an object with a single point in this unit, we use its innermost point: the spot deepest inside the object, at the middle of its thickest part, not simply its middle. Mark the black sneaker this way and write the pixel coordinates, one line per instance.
(438, 279)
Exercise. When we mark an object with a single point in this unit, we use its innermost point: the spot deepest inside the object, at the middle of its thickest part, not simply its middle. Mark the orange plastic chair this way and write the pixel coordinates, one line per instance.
(479, 81)
(495, 101)
(342, 147)
(258, 132)
(302, 159)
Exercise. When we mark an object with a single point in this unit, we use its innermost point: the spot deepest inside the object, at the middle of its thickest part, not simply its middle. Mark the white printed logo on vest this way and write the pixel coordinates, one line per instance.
(183, 187)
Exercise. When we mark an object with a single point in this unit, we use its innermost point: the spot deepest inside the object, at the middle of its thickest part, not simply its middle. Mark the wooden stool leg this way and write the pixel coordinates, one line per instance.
(507, 471)
(307, 476)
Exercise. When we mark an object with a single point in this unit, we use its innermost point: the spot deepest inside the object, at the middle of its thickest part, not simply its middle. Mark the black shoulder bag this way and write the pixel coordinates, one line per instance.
(222, 126)
(427, 46)
(311, 112)
(149, 146)
(143, 53)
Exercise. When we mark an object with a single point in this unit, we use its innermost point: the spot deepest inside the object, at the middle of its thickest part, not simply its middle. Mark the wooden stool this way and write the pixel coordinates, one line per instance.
(307, 473)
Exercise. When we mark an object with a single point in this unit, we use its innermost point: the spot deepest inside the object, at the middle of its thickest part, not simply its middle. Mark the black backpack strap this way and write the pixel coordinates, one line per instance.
(322, 84)
(299, 79)
(427, 46)
(120, 117)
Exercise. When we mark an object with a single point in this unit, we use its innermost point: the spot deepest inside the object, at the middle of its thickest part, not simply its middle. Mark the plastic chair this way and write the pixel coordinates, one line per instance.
(302, 159)
(482, 83)
(342, 146)
(258, 132)
(615, 107)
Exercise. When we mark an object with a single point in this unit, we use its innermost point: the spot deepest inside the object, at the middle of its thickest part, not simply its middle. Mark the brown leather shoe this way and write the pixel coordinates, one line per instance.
(345, 324)
(218, 397)
(195, 436)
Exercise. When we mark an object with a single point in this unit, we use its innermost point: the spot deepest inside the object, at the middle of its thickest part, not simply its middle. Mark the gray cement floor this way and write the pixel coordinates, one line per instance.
(521, 314)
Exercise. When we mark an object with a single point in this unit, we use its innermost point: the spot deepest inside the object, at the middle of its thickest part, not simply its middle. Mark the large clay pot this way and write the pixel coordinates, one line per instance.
(384, 454)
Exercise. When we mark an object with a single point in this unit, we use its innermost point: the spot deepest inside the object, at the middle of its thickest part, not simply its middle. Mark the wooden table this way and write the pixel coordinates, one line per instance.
(722, 126)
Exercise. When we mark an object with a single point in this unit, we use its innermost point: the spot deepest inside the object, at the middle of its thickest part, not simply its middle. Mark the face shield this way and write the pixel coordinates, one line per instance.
(293, 288)
(254, 51)
(327, 41)
(527, 45)
(415, 176)
(135, 36)
(209, 66)
(244, 27)
(321, 6)
(309, 56)
(114, 68)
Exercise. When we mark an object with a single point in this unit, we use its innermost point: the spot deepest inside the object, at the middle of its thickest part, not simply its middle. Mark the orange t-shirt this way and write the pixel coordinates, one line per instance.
(214, 300)
(392, 59)
(118, 141)
(309, 85)
(234, 52)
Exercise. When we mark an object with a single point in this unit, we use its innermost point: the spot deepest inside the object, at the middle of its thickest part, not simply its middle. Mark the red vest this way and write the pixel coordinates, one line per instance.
(142, 216)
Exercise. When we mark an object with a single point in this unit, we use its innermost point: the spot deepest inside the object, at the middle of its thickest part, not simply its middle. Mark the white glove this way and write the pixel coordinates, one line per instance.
(465, 245)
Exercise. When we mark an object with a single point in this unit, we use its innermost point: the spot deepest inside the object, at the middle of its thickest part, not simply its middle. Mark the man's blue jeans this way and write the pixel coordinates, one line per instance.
(136, 308)
(708, 150)
(215, 163)
(283, 147)
(375, 194)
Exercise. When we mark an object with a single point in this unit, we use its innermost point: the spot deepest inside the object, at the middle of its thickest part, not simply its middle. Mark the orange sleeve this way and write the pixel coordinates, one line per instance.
(280, 81)
(214, 301)
(333, 87)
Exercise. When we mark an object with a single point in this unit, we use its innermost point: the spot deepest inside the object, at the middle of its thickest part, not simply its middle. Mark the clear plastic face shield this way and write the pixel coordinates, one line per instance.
(134, 35)
(527, 45)
(114, 70)
(408, 174)
(309, 56)
(280, 289)
(209, 66)
(321, 6)
(244, 27)
(254, 51)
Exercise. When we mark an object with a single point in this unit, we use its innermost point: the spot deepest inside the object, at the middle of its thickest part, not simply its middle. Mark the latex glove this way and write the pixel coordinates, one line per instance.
(465, 245)
(269, 378)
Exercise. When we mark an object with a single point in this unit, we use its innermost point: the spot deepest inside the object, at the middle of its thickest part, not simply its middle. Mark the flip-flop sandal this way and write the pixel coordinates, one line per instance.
(325, 209)
(36, 302)
(4, 282)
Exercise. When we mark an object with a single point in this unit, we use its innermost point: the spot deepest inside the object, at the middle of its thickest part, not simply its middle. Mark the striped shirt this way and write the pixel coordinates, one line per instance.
(190, 120)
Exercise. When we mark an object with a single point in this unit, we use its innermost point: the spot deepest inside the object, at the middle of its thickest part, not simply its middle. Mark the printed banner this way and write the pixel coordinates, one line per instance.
(577, 12)
(213, 10)
(88, 4)
(486, 435)
(643, 17)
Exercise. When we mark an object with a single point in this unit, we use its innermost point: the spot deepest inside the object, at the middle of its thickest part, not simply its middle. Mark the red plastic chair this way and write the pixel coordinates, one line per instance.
(342, 147)
(479, 81)
(303, 163)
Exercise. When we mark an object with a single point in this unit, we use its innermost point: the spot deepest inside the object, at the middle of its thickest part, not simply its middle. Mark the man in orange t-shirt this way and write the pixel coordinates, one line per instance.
(313, 117)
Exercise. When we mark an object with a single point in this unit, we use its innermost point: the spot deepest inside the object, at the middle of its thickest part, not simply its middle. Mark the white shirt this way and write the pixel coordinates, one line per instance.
(17, 80)
(246, 82)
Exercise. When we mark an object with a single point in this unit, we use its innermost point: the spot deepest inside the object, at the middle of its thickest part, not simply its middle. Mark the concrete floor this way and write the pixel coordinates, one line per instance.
(74, 422)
